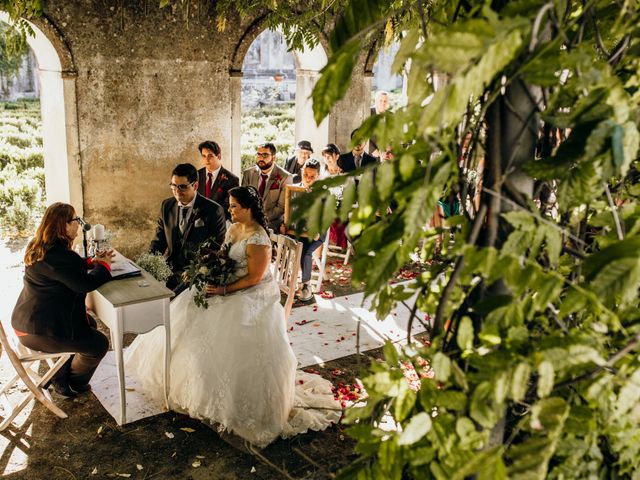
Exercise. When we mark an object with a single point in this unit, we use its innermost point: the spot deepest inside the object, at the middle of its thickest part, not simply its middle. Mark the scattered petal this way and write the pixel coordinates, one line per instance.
(187, 429)
(139, 467)
(169, 434)
(253, 469)
(94, 471)
(196, 464)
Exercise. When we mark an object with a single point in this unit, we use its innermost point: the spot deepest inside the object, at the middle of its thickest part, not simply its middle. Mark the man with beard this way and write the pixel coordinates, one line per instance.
(270, 180)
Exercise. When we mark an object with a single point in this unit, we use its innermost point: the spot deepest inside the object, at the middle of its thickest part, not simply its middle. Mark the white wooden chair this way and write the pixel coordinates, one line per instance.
(286, 267)
(26, 363)
(328, 250)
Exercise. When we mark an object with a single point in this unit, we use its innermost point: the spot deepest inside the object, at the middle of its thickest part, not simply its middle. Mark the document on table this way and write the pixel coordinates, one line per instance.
(122, 267)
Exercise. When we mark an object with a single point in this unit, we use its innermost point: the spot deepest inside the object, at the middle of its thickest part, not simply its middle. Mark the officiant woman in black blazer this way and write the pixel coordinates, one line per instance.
(50, 315)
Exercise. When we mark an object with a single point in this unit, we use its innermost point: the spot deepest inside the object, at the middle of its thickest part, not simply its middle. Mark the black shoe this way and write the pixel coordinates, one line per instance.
(62, 388)
(80, 388)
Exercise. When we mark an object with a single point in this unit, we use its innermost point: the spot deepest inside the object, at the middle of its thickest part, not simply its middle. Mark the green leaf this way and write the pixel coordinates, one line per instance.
(334, 80)
(404, 402)
(530, 459)
(520, 381)
(348, 199)
(386, 179)
(417, 428)
(620, 278)
(390, 353)
(629, 394)
(450, 102)
(465, 334)
(482, 409)
(546, 378)
(356, 17)
(441, 366)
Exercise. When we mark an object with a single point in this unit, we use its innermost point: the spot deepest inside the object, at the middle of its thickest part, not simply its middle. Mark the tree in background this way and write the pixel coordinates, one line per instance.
(13, 48)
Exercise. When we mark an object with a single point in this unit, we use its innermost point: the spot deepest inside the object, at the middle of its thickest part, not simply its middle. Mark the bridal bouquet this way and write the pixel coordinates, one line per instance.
(209, 266)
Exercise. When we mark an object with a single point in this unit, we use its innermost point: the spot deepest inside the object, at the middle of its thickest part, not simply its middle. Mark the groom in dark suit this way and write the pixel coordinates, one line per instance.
(215, 181)
(186, 220)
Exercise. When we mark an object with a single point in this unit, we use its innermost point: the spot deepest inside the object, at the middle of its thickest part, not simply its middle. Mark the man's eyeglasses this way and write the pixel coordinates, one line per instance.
(263, 154)
(183, 187)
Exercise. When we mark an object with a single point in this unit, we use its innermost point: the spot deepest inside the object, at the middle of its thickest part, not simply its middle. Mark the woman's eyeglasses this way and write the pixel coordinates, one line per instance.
(183, 187)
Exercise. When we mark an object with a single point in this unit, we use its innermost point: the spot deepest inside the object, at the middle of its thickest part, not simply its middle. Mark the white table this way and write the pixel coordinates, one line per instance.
(134, 305)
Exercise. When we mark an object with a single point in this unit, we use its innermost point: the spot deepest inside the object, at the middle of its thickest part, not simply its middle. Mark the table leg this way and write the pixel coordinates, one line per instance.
(167, 350)
(116, 339)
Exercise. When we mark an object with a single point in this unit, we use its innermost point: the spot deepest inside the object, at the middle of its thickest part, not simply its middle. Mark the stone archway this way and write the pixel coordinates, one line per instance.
(57, 75)
(308, 65)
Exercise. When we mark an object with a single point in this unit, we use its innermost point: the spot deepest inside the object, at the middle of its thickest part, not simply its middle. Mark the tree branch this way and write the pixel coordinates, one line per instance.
(614, 212)
(448, 289)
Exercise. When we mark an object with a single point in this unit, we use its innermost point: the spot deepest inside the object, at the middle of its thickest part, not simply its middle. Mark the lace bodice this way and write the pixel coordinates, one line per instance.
(238, 251)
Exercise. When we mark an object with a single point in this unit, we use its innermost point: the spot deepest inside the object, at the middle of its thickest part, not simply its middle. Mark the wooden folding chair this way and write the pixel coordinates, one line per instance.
(317, 276)
(328, 250)
(26, 364)
(287, 266)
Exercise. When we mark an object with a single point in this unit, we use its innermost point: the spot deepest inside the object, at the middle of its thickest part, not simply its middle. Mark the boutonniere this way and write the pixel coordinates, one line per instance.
(197, 217)
(223, 177)
(276, 182)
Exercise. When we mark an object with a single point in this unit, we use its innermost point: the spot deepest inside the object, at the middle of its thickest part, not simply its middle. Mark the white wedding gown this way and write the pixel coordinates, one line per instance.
(232, 364)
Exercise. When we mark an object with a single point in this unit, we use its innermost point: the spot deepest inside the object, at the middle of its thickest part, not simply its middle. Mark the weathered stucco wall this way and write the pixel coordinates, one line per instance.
(150, 85)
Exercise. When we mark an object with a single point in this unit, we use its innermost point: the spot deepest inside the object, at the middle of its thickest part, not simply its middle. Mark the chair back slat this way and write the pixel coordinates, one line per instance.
(287, 267)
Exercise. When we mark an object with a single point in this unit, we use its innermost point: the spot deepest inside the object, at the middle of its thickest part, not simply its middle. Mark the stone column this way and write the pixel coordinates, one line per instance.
(306, 128)
(235, 92)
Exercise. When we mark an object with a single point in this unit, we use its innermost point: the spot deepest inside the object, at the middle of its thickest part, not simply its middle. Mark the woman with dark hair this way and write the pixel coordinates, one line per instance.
(232, 365)
(50, 315)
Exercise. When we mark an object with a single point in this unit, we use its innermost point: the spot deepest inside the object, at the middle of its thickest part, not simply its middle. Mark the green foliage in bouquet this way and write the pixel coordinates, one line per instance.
(209, 266)
(155, 264)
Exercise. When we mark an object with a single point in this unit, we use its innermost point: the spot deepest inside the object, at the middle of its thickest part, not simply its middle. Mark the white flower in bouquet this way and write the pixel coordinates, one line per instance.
(204, 271)
(155, 264)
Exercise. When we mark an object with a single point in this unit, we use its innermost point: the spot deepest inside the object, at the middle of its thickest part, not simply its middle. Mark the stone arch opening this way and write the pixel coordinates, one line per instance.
(308, 64)
(56, 76)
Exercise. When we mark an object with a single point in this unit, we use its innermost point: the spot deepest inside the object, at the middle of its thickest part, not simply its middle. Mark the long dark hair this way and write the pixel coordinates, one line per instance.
(248, 197)
(52, 228)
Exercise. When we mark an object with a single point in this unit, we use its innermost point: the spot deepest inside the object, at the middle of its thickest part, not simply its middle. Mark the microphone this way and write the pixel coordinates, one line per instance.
(85, 226)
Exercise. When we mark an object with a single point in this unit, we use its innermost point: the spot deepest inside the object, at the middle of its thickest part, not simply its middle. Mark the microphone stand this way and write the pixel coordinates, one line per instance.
(84, 242)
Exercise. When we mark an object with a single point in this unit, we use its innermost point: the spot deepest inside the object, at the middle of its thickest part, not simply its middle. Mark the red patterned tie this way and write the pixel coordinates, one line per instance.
(263, 184)
(209, 185)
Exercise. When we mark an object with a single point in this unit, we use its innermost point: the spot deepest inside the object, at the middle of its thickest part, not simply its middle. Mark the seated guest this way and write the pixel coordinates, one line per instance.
(310, 173)
(380, 106)
(356, 158)
(215, 181)
(186, 220)
(50, 314)
(331, 155)
(295, 163)
(270, 180)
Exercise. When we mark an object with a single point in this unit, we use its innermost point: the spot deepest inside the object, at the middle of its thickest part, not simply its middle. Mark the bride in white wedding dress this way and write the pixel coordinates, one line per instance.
(232, 365)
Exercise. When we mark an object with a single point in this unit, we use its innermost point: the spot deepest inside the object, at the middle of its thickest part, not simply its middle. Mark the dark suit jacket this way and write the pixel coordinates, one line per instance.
(207, 220)
(225, 181)
(52, 300)
(347, 161)
(294, 169)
